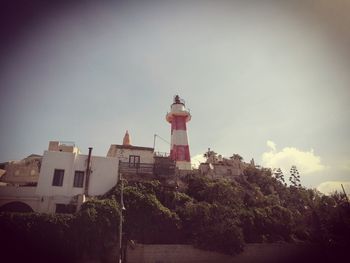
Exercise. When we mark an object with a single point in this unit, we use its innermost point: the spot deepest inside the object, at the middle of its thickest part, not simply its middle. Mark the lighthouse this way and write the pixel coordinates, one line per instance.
(179, 149)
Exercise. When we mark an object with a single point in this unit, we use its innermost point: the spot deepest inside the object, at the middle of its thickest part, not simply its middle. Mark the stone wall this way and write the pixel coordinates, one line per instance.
(172, 254)
(260, 253)
(23, 171)
(9, 194)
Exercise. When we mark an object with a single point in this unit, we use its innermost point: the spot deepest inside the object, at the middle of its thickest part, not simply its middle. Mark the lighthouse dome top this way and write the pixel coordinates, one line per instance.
(178, 100)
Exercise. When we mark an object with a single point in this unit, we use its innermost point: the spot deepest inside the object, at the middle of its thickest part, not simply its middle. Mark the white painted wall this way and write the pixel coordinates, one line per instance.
(146, 156)
(104, 175)
(56, 160)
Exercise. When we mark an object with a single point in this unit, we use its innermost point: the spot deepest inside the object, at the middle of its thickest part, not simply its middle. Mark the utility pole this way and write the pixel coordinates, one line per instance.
(88, 172)
(154, 142)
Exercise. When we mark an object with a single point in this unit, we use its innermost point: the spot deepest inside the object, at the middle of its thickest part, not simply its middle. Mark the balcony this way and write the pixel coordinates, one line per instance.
(138, 168)
(160, 169)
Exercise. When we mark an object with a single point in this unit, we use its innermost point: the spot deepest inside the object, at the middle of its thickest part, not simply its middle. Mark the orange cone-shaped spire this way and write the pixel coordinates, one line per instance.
(126, 140)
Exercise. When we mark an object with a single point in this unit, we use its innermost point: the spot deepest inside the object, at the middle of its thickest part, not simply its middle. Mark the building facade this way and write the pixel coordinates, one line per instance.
(67, 177)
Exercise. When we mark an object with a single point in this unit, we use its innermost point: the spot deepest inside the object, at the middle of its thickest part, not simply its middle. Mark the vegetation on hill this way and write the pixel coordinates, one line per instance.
(224, 215)
(211, 214)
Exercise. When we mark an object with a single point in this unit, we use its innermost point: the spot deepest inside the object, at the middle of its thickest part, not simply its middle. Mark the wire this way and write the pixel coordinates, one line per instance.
(162, 138)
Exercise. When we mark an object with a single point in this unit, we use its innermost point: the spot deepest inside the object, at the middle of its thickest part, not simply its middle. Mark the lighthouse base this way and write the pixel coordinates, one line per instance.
(183, 165)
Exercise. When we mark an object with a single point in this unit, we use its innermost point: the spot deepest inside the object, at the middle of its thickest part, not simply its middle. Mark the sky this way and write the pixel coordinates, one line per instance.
(268, 80)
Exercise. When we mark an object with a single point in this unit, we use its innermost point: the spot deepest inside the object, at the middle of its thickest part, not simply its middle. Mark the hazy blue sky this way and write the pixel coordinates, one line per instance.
(264, 79)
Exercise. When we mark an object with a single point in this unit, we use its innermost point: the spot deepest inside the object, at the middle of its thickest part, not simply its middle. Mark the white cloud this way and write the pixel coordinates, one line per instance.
(197, 159)
(271, 145)
(331, 186)
(306, 161)
(345, 166)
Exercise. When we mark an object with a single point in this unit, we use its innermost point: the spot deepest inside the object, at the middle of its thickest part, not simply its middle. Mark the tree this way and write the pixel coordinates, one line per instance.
(294, 177)
(212, 227)
(98, 223)
(279, 175)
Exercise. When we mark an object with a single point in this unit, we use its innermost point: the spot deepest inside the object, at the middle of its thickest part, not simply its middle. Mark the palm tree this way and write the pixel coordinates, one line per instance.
(210, 155)
(236, 156)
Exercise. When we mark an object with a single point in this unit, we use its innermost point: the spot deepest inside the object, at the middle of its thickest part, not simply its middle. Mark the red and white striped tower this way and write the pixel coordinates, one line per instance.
(179, 150)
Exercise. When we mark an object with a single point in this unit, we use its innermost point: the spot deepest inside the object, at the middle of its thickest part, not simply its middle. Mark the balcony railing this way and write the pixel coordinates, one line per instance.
(161, 154)
(147, 168)
(67, 143)
(136, 168)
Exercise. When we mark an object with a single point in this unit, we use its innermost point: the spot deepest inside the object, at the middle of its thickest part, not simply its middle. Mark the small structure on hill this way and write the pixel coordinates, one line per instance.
(217, 166)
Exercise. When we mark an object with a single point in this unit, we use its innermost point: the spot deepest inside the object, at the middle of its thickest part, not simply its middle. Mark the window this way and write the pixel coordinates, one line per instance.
(134, 161)
(78, 179)
(58, 177)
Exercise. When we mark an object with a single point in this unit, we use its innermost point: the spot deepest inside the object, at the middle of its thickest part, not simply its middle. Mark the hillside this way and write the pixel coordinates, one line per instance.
(211, 214)
(224, 215)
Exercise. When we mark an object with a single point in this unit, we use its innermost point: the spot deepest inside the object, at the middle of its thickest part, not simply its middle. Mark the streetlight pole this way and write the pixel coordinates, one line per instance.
(121, 222)
(122, 207)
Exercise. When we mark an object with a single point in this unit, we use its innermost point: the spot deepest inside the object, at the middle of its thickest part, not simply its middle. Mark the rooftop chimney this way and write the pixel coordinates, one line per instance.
(126, 140)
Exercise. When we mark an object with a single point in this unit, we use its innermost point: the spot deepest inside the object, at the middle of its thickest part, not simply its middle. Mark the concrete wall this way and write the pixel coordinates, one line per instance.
(224, 169)
(104, 175)
(56, 160)
(62, 147)
(9, 194)
(259, 253)
(173, 254)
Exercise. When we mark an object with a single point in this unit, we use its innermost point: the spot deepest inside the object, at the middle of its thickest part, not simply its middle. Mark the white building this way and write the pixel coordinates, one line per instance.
(62, 180)
(131, 154)
(67, 176)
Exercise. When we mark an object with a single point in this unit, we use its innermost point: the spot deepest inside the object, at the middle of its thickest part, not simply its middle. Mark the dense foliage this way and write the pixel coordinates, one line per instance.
(34, 237)
(216, 215)
(24, 235)
(223, 215)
